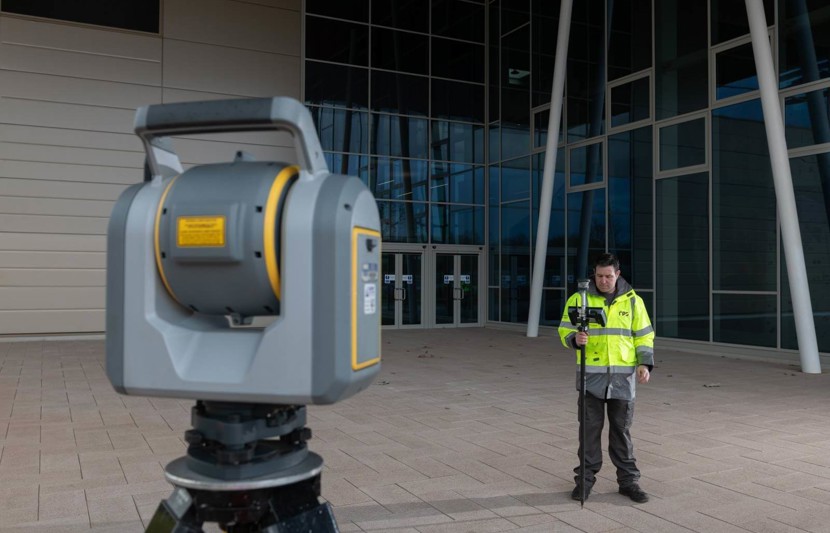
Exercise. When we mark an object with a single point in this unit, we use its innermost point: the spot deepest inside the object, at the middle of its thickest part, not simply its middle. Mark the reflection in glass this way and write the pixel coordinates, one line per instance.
(586, 164)
(586, 232)
(682, 290)
(456, 141)
(455, 100)
(812, 197)
(745, 319)
(515, 227)
(445, 290)
(403, 221)
(410, 293)
(553, 300)
(515, 287)
(399, 179)
(399, 50)
(454, 182)
(555, 260)
(807, 118)
(681, 65)
(351, 89)
(458, 19)
(345, 42)
(457, 60)
(399, 93)
(804, 55)
(457, 224)
(630, 228)
(515, 179)
(630, 102)
(743, 201)
(586, 71)
(494, 143)
(735, 72)
(387, 306)
(629, 46)
(683, 145)
(468, 289)
(515, 93)
(349, 165)
(341, 130)
(399, 136)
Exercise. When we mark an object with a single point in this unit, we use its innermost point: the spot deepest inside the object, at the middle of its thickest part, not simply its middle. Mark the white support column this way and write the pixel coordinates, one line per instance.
(790, 233)
(546, 194)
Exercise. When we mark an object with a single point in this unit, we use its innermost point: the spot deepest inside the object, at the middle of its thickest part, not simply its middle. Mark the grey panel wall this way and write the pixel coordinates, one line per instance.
(68, 94)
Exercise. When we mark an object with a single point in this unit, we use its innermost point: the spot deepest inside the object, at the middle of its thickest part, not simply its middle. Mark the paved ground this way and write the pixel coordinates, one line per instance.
(464, 431)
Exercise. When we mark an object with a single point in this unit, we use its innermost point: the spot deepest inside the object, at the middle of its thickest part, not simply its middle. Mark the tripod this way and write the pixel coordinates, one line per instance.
(237, 475)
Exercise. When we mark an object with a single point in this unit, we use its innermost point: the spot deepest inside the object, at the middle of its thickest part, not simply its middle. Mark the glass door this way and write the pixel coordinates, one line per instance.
(456, 289)
(402, 289)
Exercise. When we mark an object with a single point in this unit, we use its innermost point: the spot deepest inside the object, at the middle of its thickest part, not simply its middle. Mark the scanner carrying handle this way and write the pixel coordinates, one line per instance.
(154, 123)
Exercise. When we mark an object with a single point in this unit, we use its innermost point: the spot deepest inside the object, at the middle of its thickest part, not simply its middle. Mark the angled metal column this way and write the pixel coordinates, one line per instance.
(546, 194)
(790, 233)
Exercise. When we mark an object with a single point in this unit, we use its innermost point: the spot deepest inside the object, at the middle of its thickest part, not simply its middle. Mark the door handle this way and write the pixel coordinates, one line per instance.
(403, 294)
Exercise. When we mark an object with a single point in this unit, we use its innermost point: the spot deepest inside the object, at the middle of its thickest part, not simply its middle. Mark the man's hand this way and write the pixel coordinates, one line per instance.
(581, 339)
(643, 375)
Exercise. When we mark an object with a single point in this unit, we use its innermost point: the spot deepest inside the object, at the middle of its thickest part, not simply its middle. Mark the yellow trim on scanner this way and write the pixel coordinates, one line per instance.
(270, 226)
(356, 231)
(159, 265)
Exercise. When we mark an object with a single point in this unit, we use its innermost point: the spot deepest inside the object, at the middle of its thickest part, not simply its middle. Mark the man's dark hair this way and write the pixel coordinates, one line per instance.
(605, 260)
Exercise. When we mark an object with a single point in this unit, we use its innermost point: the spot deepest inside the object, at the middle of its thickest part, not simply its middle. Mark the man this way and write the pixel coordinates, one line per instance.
(616, 355)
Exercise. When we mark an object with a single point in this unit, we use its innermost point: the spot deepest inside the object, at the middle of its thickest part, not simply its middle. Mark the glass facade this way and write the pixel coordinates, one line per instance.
(443, 108)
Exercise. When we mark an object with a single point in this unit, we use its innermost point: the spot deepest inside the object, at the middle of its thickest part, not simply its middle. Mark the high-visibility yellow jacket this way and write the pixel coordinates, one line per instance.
(614, 351)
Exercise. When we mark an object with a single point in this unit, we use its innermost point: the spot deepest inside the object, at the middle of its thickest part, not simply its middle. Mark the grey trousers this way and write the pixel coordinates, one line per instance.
(620, 448)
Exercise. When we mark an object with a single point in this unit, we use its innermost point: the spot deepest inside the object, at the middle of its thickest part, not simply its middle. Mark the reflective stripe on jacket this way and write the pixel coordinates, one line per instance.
(613, 351)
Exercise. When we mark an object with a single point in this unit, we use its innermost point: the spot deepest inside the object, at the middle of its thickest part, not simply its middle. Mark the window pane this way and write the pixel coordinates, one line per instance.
(403, 221)
(683, 257)
(683, 145)
(629, 47)
(341, 130)
(743, 201)
(804, 53)
(400, 50)
(352, 89)
(586, 71)
(544, 29)
(399, 179)
(341, 9)
(553, 301)
(681, 65)
(457, 101)
(457, 224)
(745, 319)
(454, 141)
(735, 72)
(514, 13)
(630, 227)
(406, 14)
(555, 259)
(586, 164)
(399, 93)
(807, 118)
(515, 179)
(345, 42)
(455, 182)
(399, 136)
(515, 227)
(630, 102)
(457, 60)
(124, 14)
(586, 232)
(459, 20)
(348, 165)
(493, 304)
(515, 283)
(515, 93)
(729, 19)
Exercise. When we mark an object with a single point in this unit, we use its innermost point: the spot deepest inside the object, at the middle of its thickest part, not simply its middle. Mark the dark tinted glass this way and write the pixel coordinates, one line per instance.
(515, 91)
(804, 49)
(629, 46)
(735, 72)
(494, 43)
(345, 42)
(515, 179)
(586, 232)
(458, 19)
(749, 319)
(493, 304)
(400, 93)
(457, 101)
(545, 28)
(124, 14)
(349, 165)
(555, 260)
(457, 224)
(586, 71)
(630, 228)
(455, 182)
(681, 65)
(743, 201)
(403, 221)
(514, 13)
(729, 19)
(400, 50)
(807, 118)
(457, 60)
(456, 141)
(343, 9)
(351, 89)
(630, 102)
(515, 261)
(683, 145)
(682, 290)
(515, 228)
(399, 136)
(405, 14)
(552, 303)
(341, 130)
(586, 164)
(399, 179)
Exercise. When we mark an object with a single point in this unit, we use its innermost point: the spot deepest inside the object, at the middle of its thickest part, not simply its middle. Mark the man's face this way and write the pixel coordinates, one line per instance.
(606, 278)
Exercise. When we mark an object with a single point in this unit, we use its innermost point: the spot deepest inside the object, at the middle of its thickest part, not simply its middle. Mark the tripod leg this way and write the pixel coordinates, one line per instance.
(175, 515)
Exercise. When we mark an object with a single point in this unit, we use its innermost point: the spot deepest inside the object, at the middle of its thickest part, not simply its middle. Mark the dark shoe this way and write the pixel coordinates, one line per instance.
(575, 494)
(635, 493)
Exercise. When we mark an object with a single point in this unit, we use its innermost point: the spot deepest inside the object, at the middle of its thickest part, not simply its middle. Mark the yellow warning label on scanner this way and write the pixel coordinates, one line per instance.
(200, 231)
